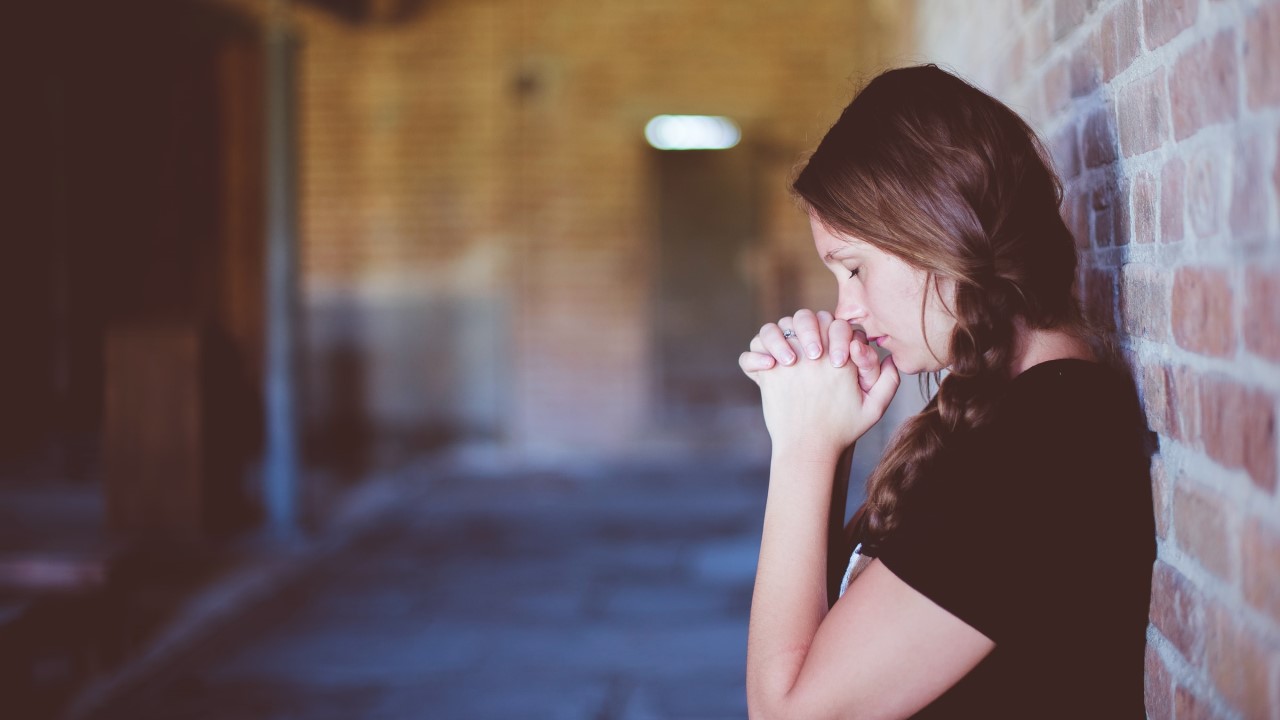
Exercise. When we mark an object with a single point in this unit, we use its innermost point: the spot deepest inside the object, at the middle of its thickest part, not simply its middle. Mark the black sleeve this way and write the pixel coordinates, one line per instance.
(999, 531)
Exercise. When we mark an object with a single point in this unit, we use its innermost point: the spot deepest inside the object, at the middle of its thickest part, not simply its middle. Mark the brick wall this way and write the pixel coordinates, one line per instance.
(1164, 120)
(476, 216)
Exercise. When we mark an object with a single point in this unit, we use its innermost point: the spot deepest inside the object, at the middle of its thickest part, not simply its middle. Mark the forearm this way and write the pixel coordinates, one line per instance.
(790, 598)
(837, 552)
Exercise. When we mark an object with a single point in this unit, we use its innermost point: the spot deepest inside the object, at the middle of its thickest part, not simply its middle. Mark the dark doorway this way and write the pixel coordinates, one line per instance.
(705, 299)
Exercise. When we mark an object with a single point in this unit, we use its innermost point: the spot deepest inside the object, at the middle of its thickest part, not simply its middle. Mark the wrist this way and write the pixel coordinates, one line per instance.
(808, 452)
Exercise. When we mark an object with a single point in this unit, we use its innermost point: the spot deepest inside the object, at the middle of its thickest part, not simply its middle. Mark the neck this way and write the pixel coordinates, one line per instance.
(1033, 346)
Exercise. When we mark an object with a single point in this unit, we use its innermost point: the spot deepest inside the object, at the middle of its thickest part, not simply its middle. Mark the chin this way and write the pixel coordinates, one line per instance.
(914, 366)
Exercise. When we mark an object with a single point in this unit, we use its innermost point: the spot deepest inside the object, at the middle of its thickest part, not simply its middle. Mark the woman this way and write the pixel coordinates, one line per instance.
(1004, 553)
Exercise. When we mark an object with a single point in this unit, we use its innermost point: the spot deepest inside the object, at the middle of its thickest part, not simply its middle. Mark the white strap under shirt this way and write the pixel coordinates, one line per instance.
(857, 563)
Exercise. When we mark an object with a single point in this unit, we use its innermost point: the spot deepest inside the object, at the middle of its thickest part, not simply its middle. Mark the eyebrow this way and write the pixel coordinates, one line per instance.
(830, 255)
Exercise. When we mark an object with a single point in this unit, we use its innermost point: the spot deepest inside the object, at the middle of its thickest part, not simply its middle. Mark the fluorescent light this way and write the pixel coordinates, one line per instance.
(692, 132)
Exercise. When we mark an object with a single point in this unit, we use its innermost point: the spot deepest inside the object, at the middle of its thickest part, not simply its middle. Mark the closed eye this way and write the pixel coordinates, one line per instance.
(854, 272)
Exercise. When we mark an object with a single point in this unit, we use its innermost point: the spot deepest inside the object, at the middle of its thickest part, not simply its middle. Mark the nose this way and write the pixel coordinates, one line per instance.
(849, 303)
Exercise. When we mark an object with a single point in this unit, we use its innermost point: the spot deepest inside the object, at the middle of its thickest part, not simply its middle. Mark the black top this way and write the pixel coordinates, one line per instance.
(1037, 530)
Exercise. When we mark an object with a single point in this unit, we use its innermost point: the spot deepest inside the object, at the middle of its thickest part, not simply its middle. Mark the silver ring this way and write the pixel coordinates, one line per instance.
(788, 333)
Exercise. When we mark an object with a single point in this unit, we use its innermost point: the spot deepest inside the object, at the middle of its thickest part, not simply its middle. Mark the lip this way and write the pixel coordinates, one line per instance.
(879, 340)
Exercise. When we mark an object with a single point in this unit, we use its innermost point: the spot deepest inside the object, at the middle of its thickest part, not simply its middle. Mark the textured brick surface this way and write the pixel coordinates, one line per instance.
(1205, 188)
(1250, 207)
(1262, 56)
(1238, 428)
(1261, 553)
(1203, 85)
(1142, 112)
(1163, 19)
(1239, 662)
(1262, 312)
(1172, 200)
(1121, 37)
(1202, 311)
(1176, 610)
(1202, 527)
(1144, 301)
(1144, 208)
(1189, 706)
(1159, 688)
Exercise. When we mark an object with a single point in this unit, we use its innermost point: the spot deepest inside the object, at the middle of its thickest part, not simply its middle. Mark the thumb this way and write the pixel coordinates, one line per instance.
(880, 394)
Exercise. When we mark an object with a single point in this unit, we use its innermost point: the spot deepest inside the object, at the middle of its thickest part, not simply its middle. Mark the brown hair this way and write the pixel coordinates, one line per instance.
(927, 167)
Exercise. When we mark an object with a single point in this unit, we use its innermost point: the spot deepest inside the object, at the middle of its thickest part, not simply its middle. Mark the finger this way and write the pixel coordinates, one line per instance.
(756, 345)
(881, 394)
(866, 359)
(839, 338)
(753, 362)
(776, 345)
(805, 324)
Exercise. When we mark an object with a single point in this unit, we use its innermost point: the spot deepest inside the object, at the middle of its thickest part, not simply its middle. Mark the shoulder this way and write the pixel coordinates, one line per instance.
(1058, 402)
(1068, 383)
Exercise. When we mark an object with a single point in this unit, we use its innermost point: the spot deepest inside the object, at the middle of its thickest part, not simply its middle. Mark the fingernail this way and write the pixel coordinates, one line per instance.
(789, 358)
(814, 350)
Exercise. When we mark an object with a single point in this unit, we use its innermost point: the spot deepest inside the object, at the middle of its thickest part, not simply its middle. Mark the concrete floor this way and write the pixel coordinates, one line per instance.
(612, 592)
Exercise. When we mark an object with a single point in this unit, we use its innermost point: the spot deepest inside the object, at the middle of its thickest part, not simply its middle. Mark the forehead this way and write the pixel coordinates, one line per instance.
(830, 244)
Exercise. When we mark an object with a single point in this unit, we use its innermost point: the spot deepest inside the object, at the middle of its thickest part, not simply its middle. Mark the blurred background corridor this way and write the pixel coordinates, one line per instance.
(379, 328)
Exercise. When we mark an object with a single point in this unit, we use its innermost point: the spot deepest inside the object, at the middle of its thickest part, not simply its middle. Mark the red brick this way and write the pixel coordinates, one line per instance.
(1189, 707)
(1260, 555)
(1067, 16)
(1110, 206)
(1100, 297)
(1262, 56)
(1143, 207)
(1163, 19)
(1262, 312)
(1250, 199)
(1144, 301)
(1182, 387)
(1037, 39)
(1205, 180)
(1202, 315)
(1142, 114)
(1159, 687)
(1238, 428)
(1155, 402)
(1173, 200)
(1057, 86)
(1275, 174)
(1099, 139)
(1066, 152)
(1121, 36)
(1203, 85)
(1200, 525)
(1086, 73)
(1160, 496)
(1176, 611)
(1236, 662)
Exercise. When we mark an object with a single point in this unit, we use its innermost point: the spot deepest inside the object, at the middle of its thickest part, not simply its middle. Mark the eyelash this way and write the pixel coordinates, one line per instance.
(854, 272)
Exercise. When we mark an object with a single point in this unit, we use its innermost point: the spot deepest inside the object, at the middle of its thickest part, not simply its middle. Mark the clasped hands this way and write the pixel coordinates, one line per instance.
(816, 404)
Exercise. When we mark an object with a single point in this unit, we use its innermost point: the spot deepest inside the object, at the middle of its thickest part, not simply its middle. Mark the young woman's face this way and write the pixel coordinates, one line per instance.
(883, 294)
